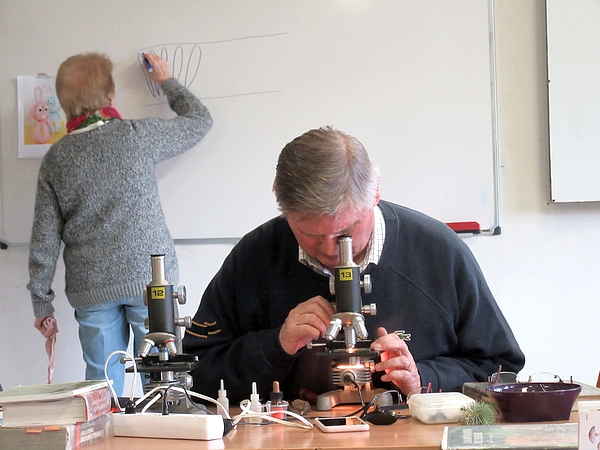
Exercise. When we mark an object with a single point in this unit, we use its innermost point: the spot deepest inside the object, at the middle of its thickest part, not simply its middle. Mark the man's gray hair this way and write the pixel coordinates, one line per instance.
(325, 171)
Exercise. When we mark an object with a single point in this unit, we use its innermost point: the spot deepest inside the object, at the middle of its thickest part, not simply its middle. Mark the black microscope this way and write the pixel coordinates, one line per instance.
(352, 359)
(160, 355)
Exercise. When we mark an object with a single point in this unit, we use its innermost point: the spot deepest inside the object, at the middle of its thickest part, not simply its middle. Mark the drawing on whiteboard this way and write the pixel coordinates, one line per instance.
(184, 60)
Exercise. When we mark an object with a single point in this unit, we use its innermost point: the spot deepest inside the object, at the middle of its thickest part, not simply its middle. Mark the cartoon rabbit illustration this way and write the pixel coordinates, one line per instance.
(42, 129)
(55, 117)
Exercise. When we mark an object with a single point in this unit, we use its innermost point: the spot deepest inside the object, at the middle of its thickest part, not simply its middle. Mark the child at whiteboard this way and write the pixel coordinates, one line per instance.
(97, 194)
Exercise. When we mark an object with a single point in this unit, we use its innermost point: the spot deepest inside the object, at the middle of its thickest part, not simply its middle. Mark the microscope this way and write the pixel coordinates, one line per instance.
(352, 360)
(166, 366)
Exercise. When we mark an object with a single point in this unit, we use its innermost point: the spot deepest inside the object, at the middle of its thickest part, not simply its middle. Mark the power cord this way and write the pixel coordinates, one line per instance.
(162, 394)
(247, 413)
(128, 357)
(378, 416)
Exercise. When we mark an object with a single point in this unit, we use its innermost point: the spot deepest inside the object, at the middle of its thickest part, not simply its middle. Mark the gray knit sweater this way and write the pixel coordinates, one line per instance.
(97, 193)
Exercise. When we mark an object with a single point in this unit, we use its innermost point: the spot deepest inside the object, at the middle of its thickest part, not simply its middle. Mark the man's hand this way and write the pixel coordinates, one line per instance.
(306, 322)
(397, 362)
(46, 327)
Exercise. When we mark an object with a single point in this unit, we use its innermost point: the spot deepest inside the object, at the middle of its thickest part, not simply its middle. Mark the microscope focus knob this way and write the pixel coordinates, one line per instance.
(366, 283)
(184, 322)
(181, 294)
(370, 309)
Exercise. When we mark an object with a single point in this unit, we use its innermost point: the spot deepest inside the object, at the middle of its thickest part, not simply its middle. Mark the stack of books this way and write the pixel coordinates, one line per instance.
(55, 416)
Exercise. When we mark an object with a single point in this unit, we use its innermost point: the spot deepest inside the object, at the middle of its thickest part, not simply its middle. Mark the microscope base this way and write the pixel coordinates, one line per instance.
(328, 400)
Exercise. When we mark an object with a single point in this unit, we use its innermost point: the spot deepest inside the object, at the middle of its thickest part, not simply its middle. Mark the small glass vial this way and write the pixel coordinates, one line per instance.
(276, 402)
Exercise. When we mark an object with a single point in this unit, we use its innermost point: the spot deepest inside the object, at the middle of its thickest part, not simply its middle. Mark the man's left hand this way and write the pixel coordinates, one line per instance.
(397, 362)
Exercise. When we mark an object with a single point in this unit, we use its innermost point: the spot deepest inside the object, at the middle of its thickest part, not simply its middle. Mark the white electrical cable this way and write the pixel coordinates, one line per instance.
(246, 412)
(202, 397)
(268, 415)
(146, 395)
(115, 396)
(151, 402)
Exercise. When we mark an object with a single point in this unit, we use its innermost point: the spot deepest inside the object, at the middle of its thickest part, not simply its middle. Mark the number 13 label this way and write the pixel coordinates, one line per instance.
(345, 274)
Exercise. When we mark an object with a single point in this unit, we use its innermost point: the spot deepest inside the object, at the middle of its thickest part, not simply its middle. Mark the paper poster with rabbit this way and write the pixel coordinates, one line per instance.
(42, 121)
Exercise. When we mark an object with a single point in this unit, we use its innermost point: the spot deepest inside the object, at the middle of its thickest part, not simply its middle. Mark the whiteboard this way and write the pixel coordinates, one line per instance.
(412, 80)
(574, 99)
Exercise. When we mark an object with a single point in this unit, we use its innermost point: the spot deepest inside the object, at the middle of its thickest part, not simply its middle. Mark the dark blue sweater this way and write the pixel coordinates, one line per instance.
(427, 283)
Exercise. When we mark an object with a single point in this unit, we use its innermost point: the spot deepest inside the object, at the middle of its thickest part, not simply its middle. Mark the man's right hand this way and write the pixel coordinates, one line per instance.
(306, 322)
(46, 327)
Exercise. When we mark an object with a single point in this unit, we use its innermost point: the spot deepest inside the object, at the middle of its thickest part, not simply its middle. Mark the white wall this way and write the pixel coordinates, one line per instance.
(543, 268)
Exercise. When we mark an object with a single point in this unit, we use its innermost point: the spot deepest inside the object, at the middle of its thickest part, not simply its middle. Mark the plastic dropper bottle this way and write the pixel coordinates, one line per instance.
(223, 406)
(276, 402)
(255, 404)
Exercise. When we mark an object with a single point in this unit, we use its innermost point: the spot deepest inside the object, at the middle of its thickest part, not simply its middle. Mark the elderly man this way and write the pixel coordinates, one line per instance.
(271, 296)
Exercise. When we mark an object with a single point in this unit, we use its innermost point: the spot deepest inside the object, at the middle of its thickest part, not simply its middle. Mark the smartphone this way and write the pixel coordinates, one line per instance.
(341, 424)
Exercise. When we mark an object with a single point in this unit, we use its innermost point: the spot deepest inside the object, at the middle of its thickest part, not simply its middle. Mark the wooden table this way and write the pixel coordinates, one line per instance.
(405, 434)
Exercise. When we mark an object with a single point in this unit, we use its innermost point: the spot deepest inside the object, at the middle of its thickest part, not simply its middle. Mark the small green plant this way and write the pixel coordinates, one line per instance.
(478, 413)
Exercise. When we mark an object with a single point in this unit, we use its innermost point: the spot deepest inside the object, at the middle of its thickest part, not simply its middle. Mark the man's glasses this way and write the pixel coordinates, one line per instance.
(500, 377)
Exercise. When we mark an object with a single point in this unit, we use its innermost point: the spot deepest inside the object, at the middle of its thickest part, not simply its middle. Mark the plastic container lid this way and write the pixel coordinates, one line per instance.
(438, 407)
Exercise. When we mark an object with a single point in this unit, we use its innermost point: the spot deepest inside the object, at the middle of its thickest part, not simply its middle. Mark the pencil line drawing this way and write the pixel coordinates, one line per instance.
(185, 64)
(185, 60)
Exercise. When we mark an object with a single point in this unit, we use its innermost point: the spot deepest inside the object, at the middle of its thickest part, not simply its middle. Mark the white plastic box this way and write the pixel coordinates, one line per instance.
(438, 407)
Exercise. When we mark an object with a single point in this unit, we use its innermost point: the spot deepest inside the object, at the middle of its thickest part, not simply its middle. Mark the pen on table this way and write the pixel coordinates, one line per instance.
(148, 65)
